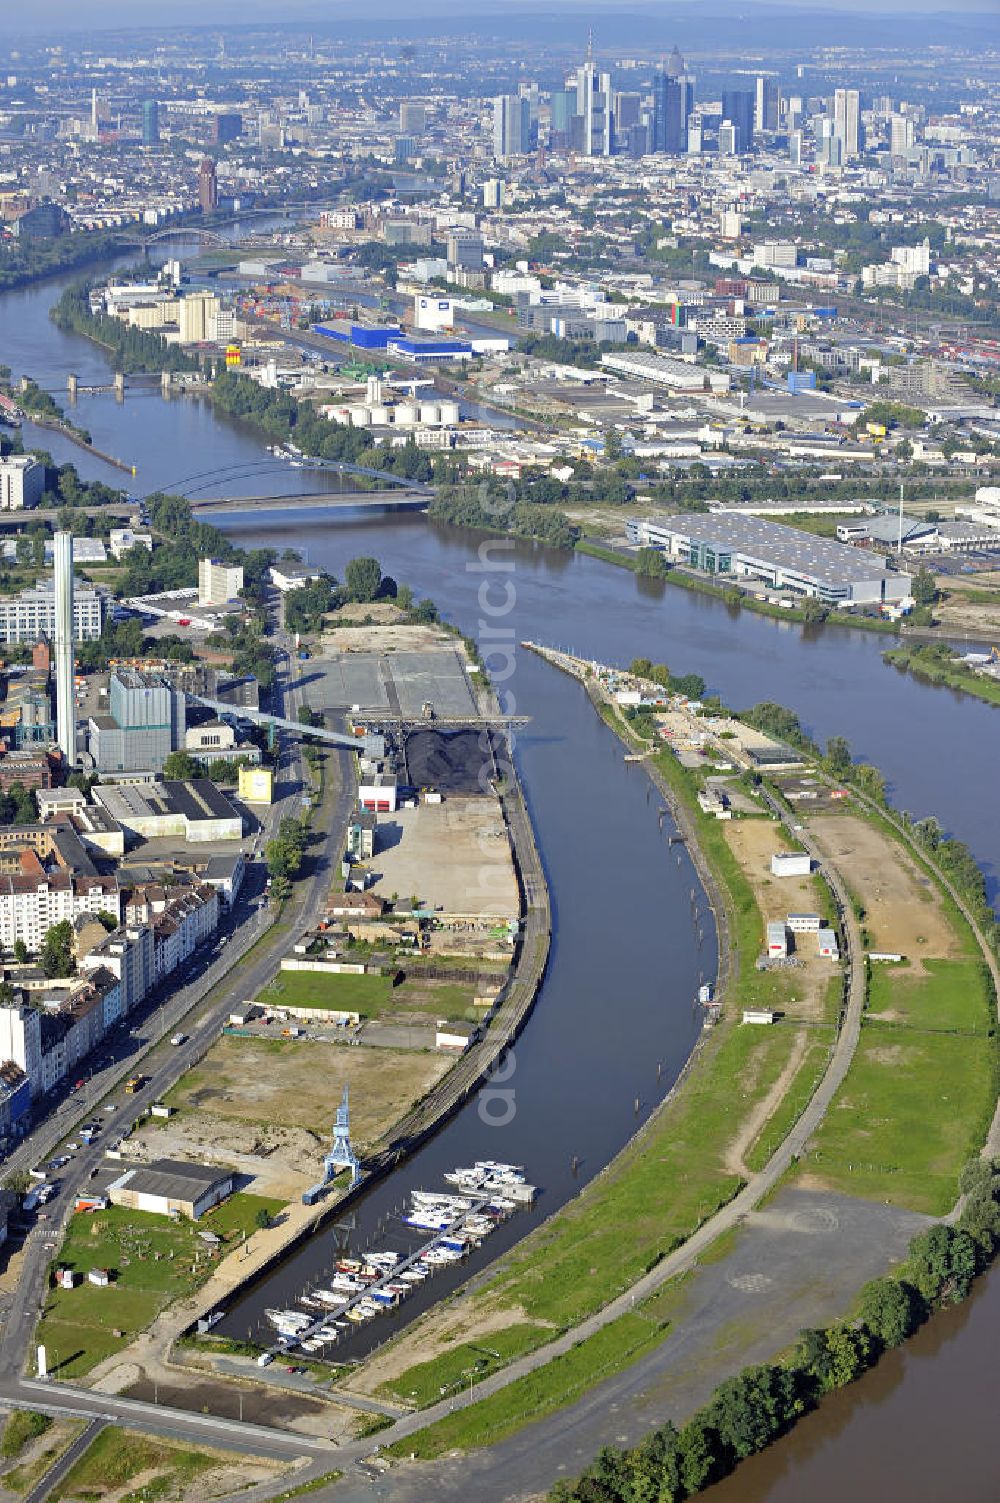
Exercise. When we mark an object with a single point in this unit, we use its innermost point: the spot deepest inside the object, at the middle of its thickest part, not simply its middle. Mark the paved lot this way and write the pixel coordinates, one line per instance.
(393, 683)
(454, 855)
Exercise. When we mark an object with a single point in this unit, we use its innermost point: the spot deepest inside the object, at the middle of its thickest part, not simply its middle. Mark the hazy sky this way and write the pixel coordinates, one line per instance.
(74, 15)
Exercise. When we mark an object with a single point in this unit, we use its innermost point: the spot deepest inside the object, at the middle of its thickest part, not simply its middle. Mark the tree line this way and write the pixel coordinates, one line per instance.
(134, 350)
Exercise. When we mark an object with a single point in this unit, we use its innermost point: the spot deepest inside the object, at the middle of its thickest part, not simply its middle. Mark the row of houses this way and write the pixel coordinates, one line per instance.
(46, 1034)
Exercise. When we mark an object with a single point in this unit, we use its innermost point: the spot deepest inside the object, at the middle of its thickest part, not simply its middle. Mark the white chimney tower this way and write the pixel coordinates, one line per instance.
(65, 704)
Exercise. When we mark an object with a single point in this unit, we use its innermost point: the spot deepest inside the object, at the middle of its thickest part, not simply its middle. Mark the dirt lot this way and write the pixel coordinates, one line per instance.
(753, 842)
(455, 856)
(266, 1106)
(386, 634)
(902, 911)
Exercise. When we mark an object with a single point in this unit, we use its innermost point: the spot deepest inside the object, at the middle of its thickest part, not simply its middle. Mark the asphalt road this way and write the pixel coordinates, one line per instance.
(65, 1462)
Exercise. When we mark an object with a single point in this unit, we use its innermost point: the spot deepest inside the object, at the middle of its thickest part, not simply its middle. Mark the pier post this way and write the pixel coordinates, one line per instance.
(119, 386)
(72, 385)
(165, 383)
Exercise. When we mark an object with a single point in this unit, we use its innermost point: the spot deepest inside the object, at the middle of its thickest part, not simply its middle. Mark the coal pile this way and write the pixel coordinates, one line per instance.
(450, 761)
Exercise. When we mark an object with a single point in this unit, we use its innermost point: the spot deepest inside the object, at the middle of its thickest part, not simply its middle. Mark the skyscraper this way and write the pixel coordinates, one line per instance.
(511, 126)
(902, 134)
(847, 120)
(765, 115)
(738, 110)
(594, 107)
(208, 187)
(65, 703)
(671, 107)
(150, 122)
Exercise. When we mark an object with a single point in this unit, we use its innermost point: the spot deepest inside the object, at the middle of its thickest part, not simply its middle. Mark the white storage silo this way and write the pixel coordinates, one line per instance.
(430, 414)
(407, 414)
(360, 416)
(449, 414)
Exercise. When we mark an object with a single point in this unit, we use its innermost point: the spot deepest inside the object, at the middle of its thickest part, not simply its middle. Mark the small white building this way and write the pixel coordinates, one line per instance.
(380, 793)
(122, 540)
(826, 941)
(777, 940)
(791, 864)
(804, 923)
(757, 1015)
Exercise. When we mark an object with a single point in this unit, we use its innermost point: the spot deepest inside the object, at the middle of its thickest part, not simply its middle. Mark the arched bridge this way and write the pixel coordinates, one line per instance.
(191, 486)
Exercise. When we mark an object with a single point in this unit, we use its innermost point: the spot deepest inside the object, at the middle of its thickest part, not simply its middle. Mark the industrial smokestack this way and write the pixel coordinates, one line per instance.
(65, 705)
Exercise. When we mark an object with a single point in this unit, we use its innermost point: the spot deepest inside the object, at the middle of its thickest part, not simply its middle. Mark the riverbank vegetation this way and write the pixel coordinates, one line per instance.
(749, 1412)
(135, 351)
(489, 505)
(43, 407)
(28, 260)
(940, 664)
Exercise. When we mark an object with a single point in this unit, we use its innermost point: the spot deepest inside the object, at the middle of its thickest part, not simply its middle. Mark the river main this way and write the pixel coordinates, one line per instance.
(625, 959)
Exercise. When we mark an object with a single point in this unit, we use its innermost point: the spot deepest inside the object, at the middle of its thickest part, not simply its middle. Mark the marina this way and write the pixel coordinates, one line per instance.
(360, 1288)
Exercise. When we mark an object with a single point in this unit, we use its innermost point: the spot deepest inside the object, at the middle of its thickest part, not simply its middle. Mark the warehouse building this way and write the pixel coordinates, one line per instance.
(169, 1187)
(194, 810)
(782, 558)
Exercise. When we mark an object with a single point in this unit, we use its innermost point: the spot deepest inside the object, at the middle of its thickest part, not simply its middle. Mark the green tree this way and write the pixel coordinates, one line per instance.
(20, 951)
(748, 1411)
(942, 1262)
(925, 590)
(180, 766)
(698, 1455)
(891, 1309)
(838, 758)
(263, 1219)
(363, 579)
(850, 1349)
(56, 954)
(650, 564)
(813, 611)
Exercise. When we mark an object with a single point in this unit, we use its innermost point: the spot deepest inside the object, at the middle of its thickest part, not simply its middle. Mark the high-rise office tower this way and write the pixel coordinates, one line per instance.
(594, 107)
(675, 64)
(511, 126)
(847, 120)
(738, 110)
(412, 117)
(765, 114)
(902, 135)
(208, 186)
(226, 127)
(795, 148)
(728, 144)
(65, 704)
(563, 108)
(671, 106)
(150, 122)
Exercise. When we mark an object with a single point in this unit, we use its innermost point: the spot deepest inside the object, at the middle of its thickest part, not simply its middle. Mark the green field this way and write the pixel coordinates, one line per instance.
(554, 1386)
(795, 1099)
(115, 1457)
(948, 995)
(153, 1260)
(368, 995)
(915, 1106)
(59, 1436)
(24, 1425)
(428, 1382)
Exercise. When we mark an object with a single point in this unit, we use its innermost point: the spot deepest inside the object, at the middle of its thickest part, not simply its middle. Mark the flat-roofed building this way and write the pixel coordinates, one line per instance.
(168, 1187)
(22, 481)
(781, 558)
